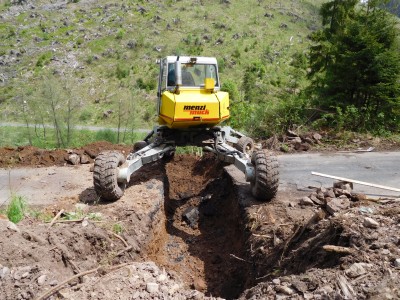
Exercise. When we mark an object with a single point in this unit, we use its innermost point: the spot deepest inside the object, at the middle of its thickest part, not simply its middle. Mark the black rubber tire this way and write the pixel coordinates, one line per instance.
(139, 145)
(168, 156)
(105, 174)
(245, 145)
(265, 184)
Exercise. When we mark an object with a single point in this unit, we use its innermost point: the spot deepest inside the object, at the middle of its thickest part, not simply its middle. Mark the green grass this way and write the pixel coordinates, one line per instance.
(16, 208)
(18, 136)
(41, 215)
(117, 228)
(192, 150)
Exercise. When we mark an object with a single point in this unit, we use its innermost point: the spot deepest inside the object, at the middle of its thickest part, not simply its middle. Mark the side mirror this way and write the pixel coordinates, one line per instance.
(209, 84)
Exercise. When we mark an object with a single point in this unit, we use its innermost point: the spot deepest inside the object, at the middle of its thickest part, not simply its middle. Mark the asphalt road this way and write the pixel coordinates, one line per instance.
(44, 186)
(381, 168)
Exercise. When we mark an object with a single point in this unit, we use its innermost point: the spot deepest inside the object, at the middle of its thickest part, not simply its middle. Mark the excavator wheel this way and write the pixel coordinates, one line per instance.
(105, 175)
(265, 185)
(245, 145)
(168, 156)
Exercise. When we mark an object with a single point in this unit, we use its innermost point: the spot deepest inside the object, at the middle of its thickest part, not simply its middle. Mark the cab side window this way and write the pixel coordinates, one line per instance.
(171, 75)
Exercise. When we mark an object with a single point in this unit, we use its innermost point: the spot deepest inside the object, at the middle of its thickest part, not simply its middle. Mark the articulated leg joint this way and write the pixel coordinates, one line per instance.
(148, 154)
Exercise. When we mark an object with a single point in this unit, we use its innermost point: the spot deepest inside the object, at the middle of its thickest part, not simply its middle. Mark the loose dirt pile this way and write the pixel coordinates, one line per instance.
(190, 229)
(31, 156)
(293, 141)
(37, 257)
(352, 255)
(347, 249)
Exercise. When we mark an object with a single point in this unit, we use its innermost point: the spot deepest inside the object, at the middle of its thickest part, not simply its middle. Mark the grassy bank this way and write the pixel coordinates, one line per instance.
(46, 139)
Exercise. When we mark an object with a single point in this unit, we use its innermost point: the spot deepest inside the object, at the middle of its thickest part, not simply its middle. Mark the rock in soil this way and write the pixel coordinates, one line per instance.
(370, 223)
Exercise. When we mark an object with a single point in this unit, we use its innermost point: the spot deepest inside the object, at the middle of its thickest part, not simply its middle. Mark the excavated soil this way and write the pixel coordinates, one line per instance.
(190, 229)
(32, 156)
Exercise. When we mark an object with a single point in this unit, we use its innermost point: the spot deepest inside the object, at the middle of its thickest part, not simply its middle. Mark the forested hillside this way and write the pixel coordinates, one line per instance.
(93, 62)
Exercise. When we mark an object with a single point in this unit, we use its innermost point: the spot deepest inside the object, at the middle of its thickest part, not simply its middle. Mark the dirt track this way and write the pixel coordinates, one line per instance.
(234, 247)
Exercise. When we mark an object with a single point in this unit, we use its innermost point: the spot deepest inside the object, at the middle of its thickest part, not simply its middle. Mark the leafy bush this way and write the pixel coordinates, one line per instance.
(148, 86)
(269, 117)
(253, 85)
(117, 228)
(354, 119)
(121, 72)
(120, 34)
(16, 209)
(231, 87)
(89, 59)
(44, 59)
(221, 65)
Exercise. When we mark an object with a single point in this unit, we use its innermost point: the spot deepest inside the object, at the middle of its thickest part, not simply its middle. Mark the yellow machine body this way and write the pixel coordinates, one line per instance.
(193, 108)
(196, 101)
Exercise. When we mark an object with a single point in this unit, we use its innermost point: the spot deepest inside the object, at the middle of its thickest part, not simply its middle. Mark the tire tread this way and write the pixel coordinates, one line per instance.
(105, 175)
(265, 185)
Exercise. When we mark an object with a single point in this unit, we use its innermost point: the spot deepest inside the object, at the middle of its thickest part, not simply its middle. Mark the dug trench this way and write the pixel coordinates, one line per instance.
(202, 235)
(222, 241)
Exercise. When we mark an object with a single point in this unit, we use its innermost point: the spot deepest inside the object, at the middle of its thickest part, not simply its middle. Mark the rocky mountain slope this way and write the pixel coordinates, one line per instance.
(100, 52)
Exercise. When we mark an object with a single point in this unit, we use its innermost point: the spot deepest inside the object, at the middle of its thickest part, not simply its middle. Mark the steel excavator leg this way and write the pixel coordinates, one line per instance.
(260, 168)
(112, 172)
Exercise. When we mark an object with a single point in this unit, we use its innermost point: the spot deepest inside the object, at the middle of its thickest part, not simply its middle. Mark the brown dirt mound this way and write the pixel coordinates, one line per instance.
(32, 250)
(359, 261)
(32, 156)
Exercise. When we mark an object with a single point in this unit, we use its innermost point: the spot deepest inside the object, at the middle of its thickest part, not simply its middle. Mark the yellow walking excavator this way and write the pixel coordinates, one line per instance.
(190, 108)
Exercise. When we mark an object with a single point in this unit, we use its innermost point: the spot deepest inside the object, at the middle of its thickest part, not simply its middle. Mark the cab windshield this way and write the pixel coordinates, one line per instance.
(193, 75)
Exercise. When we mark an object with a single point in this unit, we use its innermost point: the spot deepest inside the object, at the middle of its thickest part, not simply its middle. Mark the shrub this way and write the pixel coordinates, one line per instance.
(120, 34)
(231, 87)
(16, 209)
(117, 228)
(121, 72)
(44, 59)
(148, 86)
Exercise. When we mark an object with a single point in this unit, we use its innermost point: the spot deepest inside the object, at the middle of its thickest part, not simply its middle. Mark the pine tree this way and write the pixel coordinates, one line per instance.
(355, 64)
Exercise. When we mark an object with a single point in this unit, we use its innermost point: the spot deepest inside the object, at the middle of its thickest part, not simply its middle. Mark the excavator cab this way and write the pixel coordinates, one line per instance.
(190, 108)
(189, 93)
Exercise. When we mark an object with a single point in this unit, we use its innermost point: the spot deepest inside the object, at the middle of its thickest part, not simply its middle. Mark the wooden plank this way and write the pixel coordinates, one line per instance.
(357, 181)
